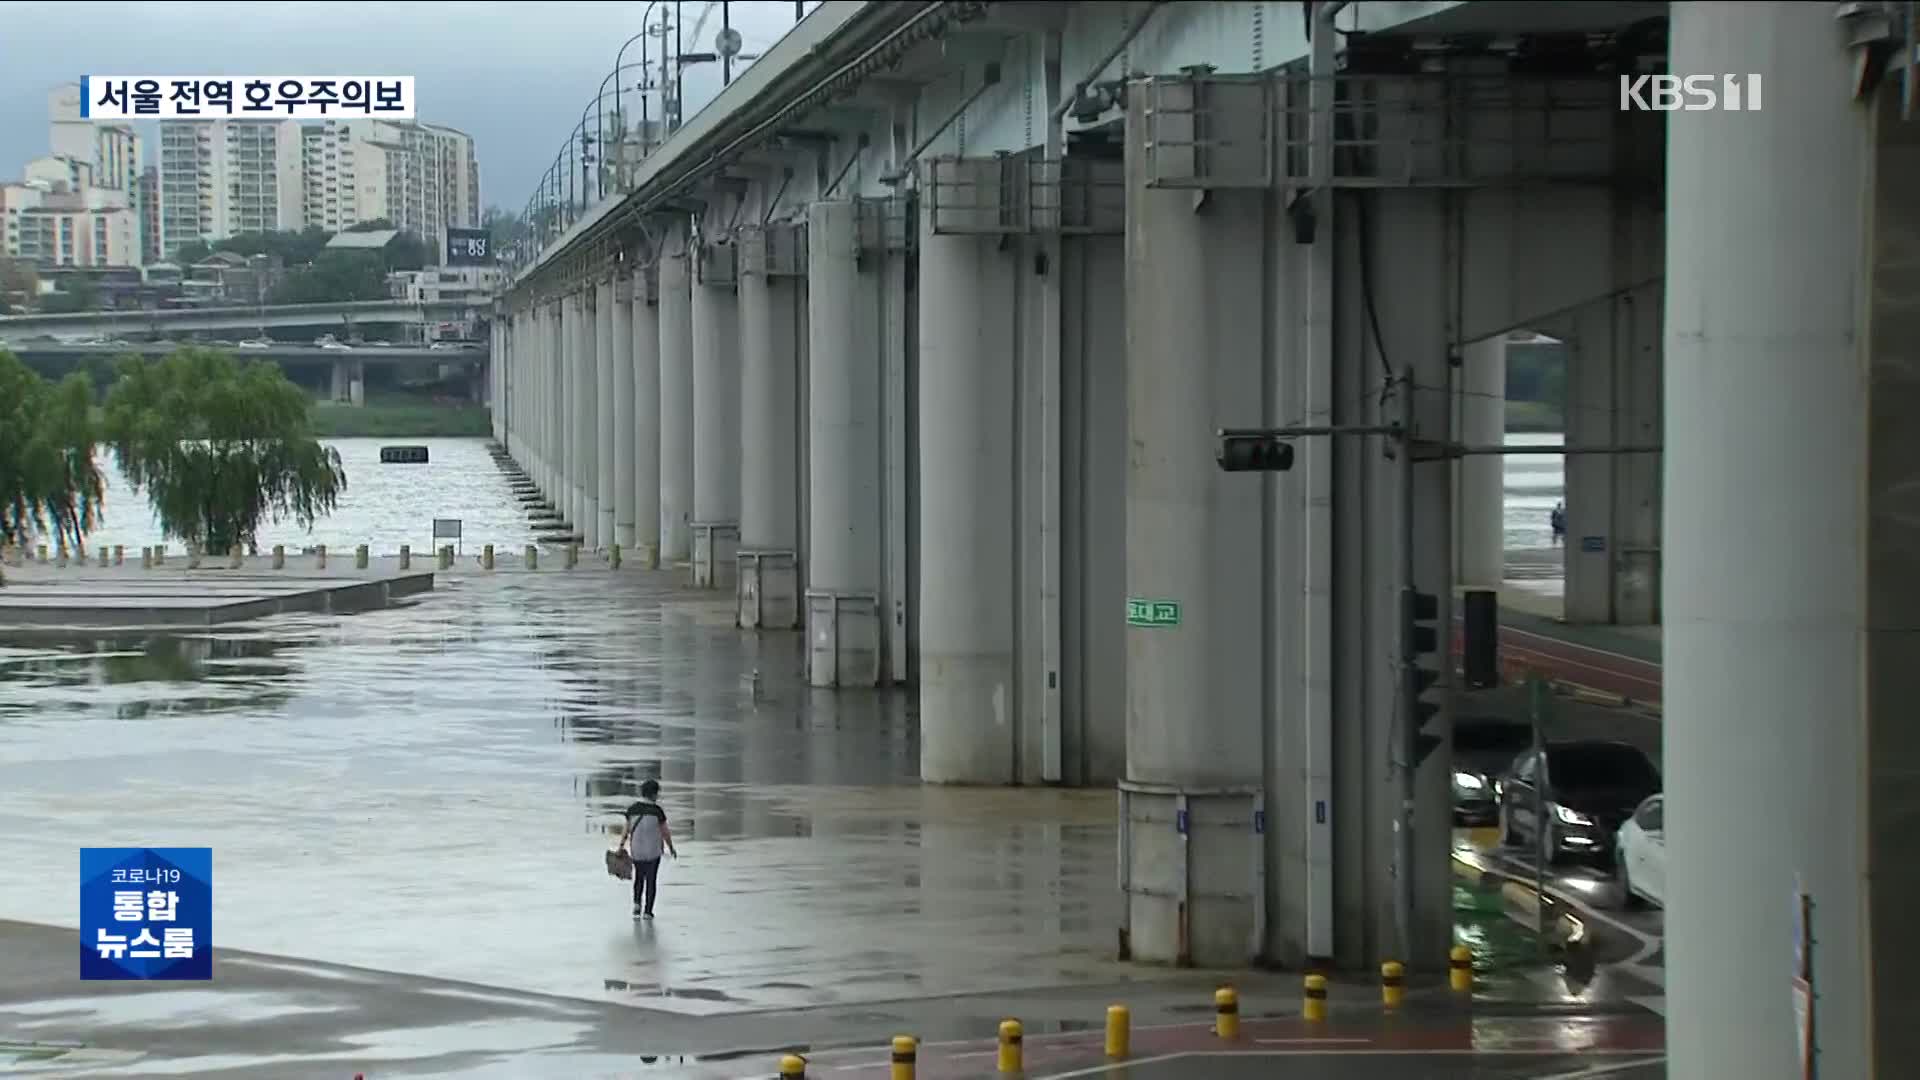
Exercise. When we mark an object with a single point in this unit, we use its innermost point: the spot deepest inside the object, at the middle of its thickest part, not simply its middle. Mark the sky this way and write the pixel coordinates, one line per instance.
(512, 75)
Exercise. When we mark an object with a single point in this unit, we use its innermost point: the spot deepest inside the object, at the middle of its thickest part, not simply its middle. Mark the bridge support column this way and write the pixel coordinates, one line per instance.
(1480, 409)
(573, 346)
(676, 399)
(605, 467)
(552, 403)
(846, 331)
(772, 340)
(970, 713)
(1792, 591)
(644, 320)
(620, 345)
(592, 401)
(716, 418)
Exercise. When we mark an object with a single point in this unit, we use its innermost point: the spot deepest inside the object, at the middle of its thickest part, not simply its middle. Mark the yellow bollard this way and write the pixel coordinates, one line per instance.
(793, 1067)
(1392, 975)
(573, 556)
(1226, 1013)
(533, 557)
(119, 555)
(360, 557)
(406, 556)
(486, 557)
(1314, 1006)
(1119, 1030)
(1010, 1048)
(1460, 968)
(613, 556)
(279, 556)
(906, 1051)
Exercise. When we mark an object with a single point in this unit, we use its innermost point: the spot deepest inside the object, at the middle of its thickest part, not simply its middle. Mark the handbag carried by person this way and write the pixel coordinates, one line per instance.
(619, 864)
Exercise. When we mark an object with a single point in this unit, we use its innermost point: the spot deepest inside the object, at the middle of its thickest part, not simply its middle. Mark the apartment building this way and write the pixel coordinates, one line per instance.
(219, 178)
(111, 150)
(148, 207)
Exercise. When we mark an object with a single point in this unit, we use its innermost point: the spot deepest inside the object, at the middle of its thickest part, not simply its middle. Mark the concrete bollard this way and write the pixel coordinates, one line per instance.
(103, 556)
(613, 556)
(486, 557)
(119, 555)
(320, 556)
(1392, 980)
(406, 556)
(533, 557)
(193, 556)
(146, 558)
(1460, 969)
(573, 556)
(236, 557)
(159, 554)
(650, 556)
(1119, 1031)
(446, 556)
(1011, 1053)
(42, 553)
(793, 1067)
(1226, 1013)
(360, 557)
(1314, 1006)
(279, 556)
(906, 1053)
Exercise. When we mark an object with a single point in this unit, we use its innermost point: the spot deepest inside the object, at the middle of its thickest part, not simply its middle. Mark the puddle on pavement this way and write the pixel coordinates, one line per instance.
(154, 1007)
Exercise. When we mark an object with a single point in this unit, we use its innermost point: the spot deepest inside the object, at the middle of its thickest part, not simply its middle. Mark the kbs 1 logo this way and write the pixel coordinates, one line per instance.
(1689, 93)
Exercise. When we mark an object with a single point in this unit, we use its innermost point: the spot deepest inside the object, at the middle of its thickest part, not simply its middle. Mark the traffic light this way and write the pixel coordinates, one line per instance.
(1420, 636)
(1254, 453)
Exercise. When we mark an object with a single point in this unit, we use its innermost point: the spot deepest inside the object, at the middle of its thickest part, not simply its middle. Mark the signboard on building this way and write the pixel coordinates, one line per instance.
(469, 247)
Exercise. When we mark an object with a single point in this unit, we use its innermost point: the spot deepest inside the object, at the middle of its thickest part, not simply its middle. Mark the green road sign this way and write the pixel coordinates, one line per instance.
(1152, 612)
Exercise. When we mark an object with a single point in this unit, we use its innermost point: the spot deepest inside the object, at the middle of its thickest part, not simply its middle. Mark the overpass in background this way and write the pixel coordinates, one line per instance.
(283, 354)
(346, 314)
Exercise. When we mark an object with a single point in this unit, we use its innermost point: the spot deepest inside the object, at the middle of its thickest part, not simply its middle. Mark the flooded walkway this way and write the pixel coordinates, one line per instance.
(427, 790)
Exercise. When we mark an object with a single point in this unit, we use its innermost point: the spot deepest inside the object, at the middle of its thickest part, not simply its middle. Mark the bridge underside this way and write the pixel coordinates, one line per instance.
(949, 436)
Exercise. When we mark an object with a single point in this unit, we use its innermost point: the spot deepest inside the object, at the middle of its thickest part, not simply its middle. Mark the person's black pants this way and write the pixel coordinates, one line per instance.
(646, 883)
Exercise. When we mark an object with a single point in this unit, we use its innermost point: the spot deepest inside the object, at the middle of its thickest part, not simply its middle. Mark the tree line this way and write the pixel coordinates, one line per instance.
(218, 447)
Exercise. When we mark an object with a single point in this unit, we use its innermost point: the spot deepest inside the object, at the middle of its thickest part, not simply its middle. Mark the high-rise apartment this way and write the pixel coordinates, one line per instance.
(219, 178)
(149, 210)
(422, 178)
(112, 150)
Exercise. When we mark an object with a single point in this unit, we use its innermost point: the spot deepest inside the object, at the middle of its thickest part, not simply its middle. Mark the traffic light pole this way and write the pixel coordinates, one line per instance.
(1409, 711)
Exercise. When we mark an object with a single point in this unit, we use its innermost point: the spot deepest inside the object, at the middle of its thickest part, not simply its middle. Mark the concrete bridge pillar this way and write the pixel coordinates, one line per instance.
(606, 469)
(844, 440)
(1480, 411)
(1193, 534)
(620, 348)
(553, 359)
(1792, 592)
(716, 414)
(591, 401)
(772, 343)
(970, 712)
(575, 430)
(644, 320)
(676, 399)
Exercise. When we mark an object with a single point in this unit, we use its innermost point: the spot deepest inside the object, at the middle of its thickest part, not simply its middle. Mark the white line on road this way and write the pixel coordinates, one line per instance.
(1593, 1072)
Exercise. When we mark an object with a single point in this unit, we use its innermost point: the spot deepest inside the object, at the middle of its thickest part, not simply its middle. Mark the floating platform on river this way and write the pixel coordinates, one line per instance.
(129, 597)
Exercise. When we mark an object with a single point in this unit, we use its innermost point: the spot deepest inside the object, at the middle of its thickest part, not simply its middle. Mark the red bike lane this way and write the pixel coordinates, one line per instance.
(1602, 670)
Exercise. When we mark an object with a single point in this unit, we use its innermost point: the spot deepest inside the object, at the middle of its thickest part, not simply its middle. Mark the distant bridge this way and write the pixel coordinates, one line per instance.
(347, 313)
(303, 354)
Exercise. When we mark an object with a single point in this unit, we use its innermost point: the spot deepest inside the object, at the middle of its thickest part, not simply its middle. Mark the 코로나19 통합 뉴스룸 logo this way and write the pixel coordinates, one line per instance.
(146, 913)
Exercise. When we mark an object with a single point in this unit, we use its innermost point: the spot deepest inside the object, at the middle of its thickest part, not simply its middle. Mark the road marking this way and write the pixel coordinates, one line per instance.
(1107, 1068)
(1592, 1072)
(1649, 944)
(1315, 1042)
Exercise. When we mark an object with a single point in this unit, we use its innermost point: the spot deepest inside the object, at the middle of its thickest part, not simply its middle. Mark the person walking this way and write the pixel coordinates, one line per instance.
(1558, 520)
(647, 838)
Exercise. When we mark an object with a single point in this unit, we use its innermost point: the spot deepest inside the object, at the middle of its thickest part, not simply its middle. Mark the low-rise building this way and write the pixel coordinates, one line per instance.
(458, 284)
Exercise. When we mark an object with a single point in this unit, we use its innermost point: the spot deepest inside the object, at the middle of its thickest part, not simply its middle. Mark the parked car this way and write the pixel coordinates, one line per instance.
(1640, 854)
(256, 343)
(1591, 786)
(1482, 750)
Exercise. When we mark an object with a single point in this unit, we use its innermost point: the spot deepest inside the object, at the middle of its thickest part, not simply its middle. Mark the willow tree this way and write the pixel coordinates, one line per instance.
(50, 484)
(220, 448)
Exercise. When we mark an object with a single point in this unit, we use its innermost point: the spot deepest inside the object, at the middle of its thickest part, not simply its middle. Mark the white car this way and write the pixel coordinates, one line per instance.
(1640, 860)
(341, 346)
(256, 343)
